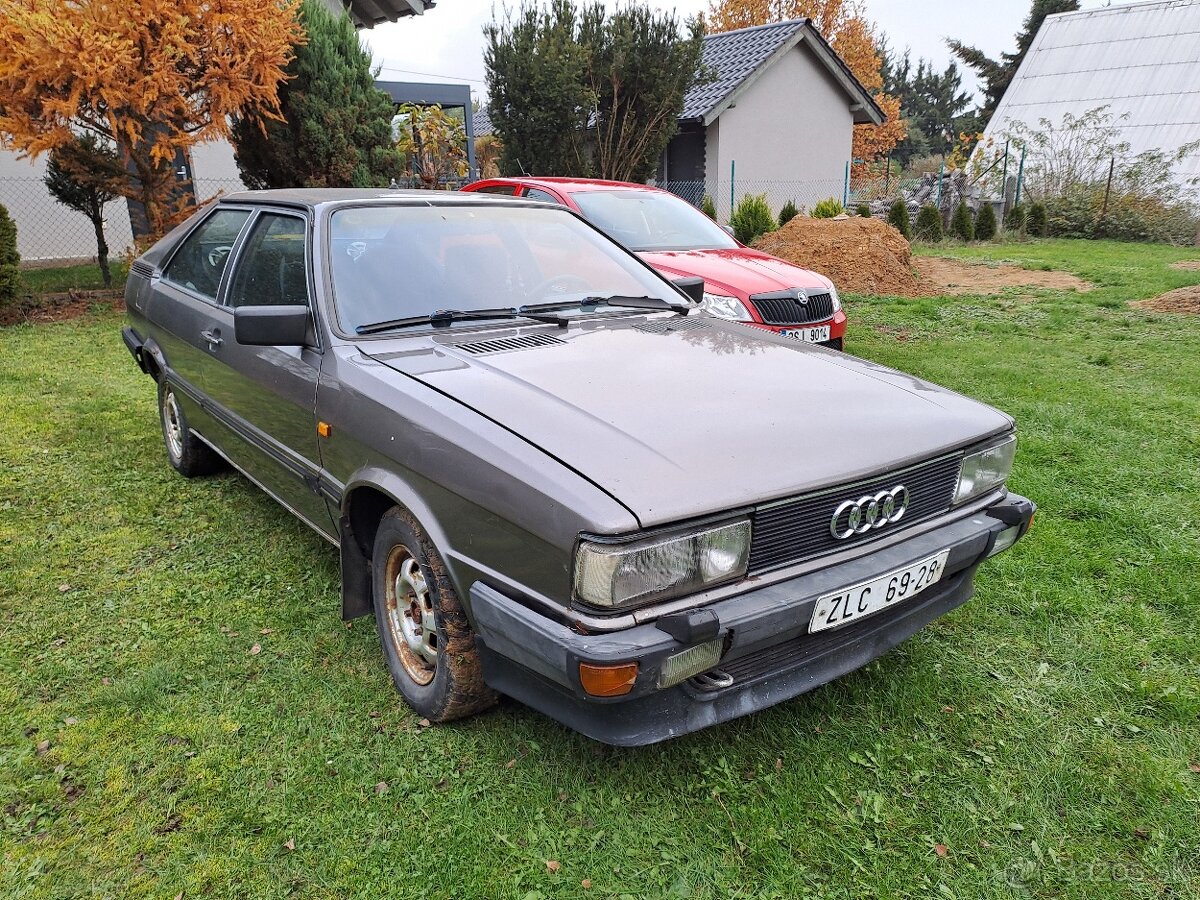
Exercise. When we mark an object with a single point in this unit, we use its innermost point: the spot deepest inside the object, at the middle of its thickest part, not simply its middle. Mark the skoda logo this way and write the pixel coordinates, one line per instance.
(870, 512)
(802, 298)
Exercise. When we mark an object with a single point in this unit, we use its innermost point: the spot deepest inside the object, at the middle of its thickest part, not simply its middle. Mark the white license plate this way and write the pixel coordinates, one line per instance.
(869, 597)
(813, 335)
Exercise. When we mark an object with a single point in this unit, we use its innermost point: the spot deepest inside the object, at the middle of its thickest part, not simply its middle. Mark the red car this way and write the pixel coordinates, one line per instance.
(678, 240)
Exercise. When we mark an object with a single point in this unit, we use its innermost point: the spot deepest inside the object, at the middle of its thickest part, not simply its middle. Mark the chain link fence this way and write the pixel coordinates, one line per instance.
(876, 191)
(50, 233)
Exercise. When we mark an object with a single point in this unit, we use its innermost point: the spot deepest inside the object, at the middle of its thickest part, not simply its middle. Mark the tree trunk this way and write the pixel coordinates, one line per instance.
(102, 247)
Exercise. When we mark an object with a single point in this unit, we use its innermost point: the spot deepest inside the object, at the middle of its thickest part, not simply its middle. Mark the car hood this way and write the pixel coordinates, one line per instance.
(677, 418)
(738, 272)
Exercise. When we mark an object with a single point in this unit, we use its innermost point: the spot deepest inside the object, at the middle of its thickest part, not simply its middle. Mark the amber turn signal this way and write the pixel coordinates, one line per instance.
(608, 681)
(324, 429)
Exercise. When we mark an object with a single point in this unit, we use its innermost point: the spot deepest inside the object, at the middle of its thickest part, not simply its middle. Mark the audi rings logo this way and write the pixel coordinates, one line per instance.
(868, 513)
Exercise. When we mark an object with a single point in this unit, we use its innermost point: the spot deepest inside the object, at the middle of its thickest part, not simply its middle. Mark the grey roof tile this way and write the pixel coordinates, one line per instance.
(730, 57)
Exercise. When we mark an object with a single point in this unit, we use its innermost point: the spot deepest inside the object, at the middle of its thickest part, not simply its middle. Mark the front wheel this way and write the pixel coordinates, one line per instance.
(427, 642)
(187, 454)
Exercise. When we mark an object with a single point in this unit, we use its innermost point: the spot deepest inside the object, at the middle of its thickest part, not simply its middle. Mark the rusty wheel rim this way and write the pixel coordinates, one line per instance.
(174, 429)
(412, 625)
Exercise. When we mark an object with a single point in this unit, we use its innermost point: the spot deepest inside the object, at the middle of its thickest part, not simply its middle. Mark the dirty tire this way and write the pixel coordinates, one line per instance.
(187, 454)
(452, 686)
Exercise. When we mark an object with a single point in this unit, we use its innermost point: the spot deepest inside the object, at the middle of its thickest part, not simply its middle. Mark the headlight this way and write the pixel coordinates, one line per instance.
(837, 301)
(726, 307)
(660, 567)
(986, 470)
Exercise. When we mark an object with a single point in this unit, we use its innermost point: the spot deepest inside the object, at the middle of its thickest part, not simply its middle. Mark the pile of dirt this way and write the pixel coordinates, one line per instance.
(1188, 265)
(950, 276)
(1181, 300)
(44, 308)
(860, 256)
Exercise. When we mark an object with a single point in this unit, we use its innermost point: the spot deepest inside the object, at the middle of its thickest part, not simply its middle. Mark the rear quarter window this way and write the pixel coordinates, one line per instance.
(200, 261)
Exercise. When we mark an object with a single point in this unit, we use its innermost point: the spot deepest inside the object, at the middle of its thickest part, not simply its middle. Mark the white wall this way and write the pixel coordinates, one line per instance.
(790, 132)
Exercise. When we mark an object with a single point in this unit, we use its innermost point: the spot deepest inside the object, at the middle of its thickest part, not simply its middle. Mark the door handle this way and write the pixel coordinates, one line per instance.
(213, 336)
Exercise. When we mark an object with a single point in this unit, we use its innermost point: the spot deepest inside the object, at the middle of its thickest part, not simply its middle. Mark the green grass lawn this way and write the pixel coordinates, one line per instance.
(183, 713)
(60, 279)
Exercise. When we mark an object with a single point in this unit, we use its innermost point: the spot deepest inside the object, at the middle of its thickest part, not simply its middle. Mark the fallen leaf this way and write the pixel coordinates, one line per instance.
(382, 788)
(70, 720)
(63, 588)
(587, 882)
(373, 715)
(941, 850)
(424, 723)
(562, 796)
(43, 747)
(1141, 834)
(779, 764)
(106, 681)
(553, 865)
(985, 844)
(290, 843)
(947, 709)
(179, 896)
(1194, 767)
(267, 631)
(1015, 826)
(256, 649)
(510, 764)
(59, 642)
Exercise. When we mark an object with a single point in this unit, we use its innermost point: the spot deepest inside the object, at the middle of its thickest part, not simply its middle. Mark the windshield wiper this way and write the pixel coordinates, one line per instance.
(443, 317)
(616, 300)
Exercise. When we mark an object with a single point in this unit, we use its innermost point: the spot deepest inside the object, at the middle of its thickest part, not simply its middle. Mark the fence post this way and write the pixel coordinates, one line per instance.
(887, 177)
(1004, 181)
(846, 187)
(732, 172)
(1020, 176)
(1112, 164)
(941, 175)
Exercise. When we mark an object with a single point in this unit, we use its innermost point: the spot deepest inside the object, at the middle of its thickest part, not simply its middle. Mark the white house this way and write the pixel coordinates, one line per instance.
(777, 117)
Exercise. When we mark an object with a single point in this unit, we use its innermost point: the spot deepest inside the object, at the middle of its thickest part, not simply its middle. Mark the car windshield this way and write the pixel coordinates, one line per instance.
(652, 220)
(397, 262)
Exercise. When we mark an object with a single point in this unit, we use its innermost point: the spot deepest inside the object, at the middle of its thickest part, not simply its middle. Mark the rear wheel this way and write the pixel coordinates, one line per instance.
(427, 642)
(187, 454)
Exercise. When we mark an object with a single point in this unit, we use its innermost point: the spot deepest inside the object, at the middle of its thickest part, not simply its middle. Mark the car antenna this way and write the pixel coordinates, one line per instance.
(521, 166)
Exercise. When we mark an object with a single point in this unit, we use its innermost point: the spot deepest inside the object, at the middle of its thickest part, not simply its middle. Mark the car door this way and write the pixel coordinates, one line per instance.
(269, 394)
(189, 324)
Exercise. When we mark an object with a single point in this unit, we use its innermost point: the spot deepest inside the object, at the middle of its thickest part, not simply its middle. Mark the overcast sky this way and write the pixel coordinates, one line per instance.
(446, 44)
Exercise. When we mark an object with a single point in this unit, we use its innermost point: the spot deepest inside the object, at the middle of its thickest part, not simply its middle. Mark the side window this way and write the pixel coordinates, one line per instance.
(535, 194)
(506, 189)
(271, 270)
(200, 260)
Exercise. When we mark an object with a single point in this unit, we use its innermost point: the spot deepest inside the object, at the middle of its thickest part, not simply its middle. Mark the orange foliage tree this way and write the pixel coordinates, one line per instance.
(153, 76)
(844, 24)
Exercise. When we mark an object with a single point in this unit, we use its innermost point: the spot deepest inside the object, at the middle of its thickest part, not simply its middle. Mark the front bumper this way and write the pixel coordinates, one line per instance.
(837, 329)
(768, 649)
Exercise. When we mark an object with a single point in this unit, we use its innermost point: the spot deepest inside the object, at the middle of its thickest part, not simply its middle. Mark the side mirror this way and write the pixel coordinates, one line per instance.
(692, 287)
(728, 229)
(271, 326)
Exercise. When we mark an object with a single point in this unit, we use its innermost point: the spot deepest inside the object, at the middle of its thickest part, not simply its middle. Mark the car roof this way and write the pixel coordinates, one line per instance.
(314, 198)
(572, 185)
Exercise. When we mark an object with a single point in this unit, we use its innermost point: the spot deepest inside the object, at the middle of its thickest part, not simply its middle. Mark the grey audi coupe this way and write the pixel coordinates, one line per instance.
(549, 474)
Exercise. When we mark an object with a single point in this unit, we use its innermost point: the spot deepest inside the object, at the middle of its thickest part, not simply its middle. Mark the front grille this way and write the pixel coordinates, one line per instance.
(786, 308)
(799, 529)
